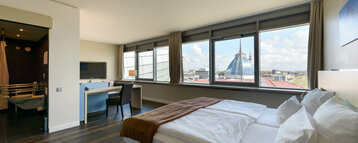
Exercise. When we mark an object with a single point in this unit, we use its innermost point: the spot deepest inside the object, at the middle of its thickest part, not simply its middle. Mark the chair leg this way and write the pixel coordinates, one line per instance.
(122, 111)
(130, 108)
(117, 108)
(106, 110)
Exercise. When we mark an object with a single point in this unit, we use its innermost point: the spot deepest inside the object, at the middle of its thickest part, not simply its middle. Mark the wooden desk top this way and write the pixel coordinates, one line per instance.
(108, 89)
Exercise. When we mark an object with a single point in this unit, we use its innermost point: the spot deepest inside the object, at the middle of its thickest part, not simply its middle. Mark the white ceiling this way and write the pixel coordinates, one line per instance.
(126, 21)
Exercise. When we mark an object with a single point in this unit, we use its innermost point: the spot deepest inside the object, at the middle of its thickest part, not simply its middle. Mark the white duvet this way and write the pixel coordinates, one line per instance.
(246, 108)
(208, 126)
(225, 121)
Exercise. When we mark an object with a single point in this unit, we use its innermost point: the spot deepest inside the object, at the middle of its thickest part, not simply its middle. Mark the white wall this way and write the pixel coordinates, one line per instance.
(64, 57)
(101, 52)
(336, 57)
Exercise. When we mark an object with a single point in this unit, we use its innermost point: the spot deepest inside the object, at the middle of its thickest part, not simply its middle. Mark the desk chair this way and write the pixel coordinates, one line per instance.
(115, 93)
(123, 98)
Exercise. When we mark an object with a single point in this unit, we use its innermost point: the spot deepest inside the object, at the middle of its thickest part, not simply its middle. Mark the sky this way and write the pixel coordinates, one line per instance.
(283, 49)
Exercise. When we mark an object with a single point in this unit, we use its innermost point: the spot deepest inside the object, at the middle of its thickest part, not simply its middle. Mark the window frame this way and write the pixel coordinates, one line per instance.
(280, 28)
(255, 35)
(137, 65)
(155, 68)
(182, 65)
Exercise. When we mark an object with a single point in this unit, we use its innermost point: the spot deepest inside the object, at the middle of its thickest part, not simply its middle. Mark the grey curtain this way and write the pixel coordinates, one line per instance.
(175, 41)
(120, 62)
(315, 43)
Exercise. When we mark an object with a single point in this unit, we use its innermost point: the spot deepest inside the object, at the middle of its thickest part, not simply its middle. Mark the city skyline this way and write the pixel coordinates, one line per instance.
(284, 49)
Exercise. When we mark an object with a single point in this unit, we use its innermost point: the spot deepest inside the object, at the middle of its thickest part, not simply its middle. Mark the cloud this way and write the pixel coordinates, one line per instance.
(195, 58)
(285, 53)
(222, 62)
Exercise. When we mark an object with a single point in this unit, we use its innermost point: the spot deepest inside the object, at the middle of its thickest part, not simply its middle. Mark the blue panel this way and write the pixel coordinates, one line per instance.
(96, 102)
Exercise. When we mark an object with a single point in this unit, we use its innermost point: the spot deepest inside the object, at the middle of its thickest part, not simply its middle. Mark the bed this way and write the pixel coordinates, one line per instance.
(236, 121)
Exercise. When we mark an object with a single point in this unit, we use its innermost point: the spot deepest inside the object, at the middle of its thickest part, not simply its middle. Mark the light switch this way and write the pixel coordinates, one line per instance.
(59, 89)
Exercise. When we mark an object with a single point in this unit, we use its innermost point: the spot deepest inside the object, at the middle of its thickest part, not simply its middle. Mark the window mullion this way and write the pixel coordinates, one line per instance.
(211, 59)
(257, 59)
(155, 64)
(136, 65)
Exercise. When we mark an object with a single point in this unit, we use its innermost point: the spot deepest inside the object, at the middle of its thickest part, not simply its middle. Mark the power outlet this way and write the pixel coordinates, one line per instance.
(59, 89)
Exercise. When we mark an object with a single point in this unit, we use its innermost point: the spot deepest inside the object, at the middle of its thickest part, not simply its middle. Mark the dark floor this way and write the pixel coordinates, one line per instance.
(99, 129)
(23, 124)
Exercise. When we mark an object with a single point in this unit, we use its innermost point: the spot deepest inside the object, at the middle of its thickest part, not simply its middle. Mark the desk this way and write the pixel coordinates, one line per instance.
(136, 96)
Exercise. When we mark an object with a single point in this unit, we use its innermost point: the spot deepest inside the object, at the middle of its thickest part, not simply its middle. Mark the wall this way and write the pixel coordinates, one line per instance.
(20, 61)
(43, 68)
(170, 93)
(336, 57)
(64, 57)
(101, 52)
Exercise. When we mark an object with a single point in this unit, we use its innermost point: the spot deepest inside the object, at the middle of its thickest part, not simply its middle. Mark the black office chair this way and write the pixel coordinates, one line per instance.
(113, 94)
(123, 98)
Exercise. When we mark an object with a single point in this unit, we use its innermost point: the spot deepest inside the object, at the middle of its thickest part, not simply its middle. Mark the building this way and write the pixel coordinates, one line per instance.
(241, 67)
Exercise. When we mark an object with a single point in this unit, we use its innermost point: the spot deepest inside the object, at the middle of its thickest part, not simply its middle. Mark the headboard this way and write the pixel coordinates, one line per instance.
(343, 83)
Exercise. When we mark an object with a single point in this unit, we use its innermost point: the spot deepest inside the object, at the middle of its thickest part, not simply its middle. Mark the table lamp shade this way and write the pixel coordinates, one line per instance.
(132, 72)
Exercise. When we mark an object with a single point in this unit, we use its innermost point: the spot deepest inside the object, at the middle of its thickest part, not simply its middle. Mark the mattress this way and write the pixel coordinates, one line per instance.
(268, 118)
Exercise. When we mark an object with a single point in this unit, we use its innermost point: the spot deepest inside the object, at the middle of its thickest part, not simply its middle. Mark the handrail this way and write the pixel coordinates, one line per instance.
(21, 88)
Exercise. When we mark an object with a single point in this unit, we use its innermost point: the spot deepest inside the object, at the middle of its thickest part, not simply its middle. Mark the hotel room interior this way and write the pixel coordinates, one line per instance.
(179, 71)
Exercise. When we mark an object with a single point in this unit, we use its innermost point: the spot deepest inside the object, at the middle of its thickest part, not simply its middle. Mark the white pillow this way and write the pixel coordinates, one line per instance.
(314, 99)
(297, 129)
(287, 109)
(336, 123)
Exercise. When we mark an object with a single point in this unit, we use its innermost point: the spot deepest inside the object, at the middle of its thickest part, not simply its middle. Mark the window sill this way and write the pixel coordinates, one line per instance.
(228, 87)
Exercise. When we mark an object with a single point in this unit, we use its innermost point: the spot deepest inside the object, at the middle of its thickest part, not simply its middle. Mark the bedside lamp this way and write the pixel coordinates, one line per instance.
(132, 73)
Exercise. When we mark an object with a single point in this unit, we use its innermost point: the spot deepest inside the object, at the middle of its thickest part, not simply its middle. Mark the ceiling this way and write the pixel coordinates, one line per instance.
(126, 21)
(29, 33)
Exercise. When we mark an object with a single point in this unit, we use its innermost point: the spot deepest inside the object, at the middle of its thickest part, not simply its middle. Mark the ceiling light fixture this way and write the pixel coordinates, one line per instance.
(21, 29)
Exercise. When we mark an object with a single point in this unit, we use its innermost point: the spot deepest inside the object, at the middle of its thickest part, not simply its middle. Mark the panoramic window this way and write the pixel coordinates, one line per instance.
(196, 62)
(145, 65)
(163, 64)
(234, 60)
(128, 64)
(283, 57)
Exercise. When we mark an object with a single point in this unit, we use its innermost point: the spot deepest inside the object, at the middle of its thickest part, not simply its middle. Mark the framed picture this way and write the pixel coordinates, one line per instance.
(348, 22)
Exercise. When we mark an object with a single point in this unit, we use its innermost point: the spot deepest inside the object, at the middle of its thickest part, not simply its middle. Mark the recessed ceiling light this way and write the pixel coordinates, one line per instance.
(17, 35)
(21, 29)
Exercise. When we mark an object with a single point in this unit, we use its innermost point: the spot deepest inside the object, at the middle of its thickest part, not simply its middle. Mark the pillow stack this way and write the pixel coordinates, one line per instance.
(298, 125)
(311, 102)
(314, 99)
(287, 109)
(297, 129)
(336, 123)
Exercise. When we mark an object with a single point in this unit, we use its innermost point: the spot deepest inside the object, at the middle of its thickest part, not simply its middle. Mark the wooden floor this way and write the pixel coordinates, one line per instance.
(98, 130)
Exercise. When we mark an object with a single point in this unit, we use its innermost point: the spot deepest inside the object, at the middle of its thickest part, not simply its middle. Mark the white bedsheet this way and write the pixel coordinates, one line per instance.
(239, 107)
(162, 138)
(206, 125)
(268, 118)
(257, 133)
